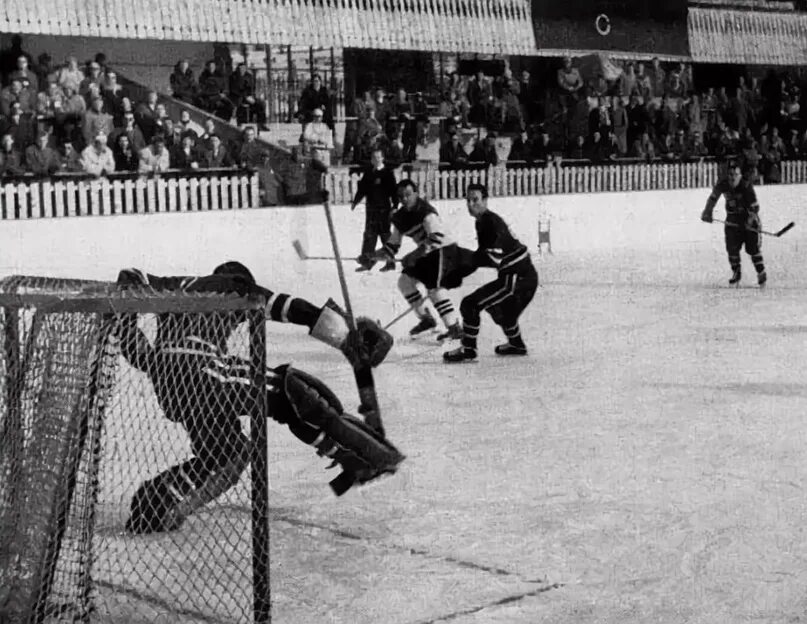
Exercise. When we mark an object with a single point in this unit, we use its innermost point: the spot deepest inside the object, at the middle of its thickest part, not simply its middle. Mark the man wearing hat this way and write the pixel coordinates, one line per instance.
(40, 158)
(97, 158)
(318, 139)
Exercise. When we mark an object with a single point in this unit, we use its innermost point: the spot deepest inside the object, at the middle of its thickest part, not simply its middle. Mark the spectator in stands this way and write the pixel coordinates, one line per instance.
(96, 121)
(10, 158)
(314, 96)
(97, 159)
(480, 98)
(738, 110)
(542, 147)
(484, 153)
(40, 158)
(20, 125)
(658, 79)
(154, 158)
(599, 119)
(94, 77)
(643, 148)
(569, 82)
(318, 139)
(185, 124)
(184, 155)
(9, 56)
(217, 156)
(209, 130)
(161, 123)
(45, 71)
(520, 155)
(578, 149)
(248, 106)
(667, 121)
(252, 154)
(49, 103)
(70, 76)
(133, 133)
(687, 81)
(146, 115)
(644, 86)
(626, 84)
(113, 94)
(126, 158)
(454, 109)
(213, 92)
(301, 179)
(696, 149)
(101, 60)
(71, 160)
(527, 97)
(16, 92)
(452, 154)
(383, 110)
(173, 134)
(183, 83)
(25, 75)
(619, 118)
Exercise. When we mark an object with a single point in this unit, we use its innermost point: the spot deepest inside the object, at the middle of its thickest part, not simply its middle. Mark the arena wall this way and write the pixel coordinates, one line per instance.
(96, 247)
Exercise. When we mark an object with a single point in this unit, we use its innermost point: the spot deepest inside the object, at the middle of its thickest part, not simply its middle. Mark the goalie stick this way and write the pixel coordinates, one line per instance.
(787, 228)
(364, 374)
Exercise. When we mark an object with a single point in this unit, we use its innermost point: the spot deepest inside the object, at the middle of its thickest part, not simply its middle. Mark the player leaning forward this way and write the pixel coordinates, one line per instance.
(506, 297)
(203, 388)
(742, 222)
(437, 262)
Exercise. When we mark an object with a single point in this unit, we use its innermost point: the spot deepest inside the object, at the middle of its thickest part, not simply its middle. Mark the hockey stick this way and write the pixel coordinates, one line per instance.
(398, 318)
(787, 228)
(364, 374)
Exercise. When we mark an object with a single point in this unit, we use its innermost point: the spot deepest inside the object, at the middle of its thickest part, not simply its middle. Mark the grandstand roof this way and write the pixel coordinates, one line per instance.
(747, 37)
(471, 26)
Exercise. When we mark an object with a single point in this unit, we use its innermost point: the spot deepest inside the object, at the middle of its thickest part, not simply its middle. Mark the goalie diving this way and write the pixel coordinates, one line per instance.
(203, 388)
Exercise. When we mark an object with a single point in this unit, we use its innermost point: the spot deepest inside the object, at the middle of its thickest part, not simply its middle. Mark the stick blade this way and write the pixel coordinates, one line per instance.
(298, 247)
(787, 228)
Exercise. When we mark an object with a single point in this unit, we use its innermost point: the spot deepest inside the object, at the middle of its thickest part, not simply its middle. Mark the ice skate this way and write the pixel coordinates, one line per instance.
(453, 333)
(509, 349)
(762, 278)
(736, 276)
(460, 355)
(389, 266)
(426, 323)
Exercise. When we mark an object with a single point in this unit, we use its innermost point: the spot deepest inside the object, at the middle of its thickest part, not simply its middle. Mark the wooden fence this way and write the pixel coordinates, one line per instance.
(555, 179)
(115, 196)
(238, 190)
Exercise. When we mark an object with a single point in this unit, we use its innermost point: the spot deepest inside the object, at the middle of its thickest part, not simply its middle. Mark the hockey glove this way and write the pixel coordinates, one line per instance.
(753, 222)
(706, 216)
(368, 344)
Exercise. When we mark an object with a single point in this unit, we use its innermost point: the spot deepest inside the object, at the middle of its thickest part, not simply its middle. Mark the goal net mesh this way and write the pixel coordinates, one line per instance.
(82, 429)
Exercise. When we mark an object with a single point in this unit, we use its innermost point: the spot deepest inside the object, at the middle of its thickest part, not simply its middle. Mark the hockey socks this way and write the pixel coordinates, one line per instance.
(515, 344)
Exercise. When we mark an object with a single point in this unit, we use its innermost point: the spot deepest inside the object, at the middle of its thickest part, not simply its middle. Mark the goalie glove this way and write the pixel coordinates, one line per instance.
(368, 344)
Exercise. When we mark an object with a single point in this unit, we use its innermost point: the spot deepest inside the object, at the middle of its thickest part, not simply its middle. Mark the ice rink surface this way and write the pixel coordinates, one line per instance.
(645, 463)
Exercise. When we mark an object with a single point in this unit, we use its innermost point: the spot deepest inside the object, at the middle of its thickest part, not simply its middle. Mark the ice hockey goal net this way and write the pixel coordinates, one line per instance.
(80, 430)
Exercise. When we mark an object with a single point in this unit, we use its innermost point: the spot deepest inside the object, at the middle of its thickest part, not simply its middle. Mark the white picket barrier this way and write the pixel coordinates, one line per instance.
(104, 197)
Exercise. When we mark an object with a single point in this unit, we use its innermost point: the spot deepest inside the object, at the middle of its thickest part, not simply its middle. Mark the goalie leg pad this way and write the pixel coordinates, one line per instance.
(346, 438)
(162, 503)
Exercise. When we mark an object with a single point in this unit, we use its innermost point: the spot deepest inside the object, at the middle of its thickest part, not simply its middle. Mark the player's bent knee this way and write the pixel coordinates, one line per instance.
(311, 399)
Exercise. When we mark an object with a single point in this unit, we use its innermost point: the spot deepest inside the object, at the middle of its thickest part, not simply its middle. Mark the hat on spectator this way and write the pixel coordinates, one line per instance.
(317, 112)
(101, 136)
(94, 65)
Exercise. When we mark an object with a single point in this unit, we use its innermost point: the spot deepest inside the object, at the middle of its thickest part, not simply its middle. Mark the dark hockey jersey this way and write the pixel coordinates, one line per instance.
(740, 201)
(498, 248)
(422, 224)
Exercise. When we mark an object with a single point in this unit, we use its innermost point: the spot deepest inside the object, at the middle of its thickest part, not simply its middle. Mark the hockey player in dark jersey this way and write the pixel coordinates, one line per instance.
(742, 222)
(506, 297)
(199, 385)
(437, 262)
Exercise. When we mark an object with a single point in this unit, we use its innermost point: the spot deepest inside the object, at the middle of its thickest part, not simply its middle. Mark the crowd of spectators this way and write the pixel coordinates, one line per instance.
(77, 118)
(646, 113)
